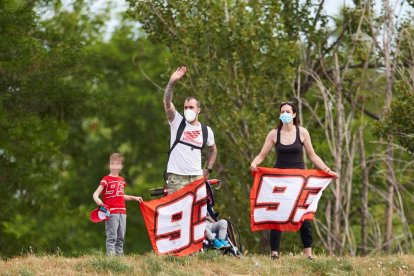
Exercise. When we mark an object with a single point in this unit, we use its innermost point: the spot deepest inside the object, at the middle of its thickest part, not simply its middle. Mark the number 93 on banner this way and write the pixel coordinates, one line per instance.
(176, 223)
(282, 199)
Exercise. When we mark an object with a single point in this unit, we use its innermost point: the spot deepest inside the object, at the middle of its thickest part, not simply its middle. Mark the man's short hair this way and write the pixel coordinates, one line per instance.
(117, 156)
(193, 98)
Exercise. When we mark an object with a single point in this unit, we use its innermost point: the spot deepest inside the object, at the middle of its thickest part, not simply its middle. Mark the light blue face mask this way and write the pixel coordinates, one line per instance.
(286, 118)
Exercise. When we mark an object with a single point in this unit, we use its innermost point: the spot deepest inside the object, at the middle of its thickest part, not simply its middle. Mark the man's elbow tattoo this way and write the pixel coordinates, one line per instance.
(170, 114)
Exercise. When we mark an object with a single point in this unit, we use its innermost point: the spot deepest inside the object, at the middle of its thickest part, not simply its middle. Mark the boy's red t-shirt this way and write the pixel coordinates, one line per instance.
(113, 193)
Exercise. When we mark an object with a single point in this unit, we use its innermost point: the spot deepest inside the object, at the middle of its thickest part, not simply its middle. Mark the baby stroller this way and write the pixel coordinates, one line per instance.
(233, 234)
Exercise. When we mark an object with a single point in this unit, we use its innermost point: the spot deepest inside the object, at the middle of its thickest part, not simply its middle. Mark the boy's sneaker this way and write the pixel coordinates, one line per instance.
(217, 244)
(225, 243)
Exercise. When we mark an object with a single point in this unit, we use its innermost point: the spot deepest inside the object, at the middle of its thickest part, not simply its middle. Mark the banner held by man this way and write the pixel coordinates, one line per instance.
(176, 223)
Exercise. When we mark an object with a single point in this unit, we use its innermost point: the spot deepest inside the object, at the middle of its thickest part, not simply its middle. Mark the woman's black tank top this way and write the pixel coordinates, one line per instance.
(289, 156)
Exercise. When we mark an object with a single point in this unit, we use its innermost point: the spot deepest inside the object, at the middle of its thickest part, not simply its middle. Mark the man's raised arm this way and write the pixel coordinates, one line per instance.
(168, 94)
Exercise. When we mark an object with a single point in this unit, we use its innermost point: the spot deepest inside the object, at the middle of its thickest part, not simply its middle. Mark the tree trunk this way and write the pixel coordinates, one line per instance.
(328, 211)
(364, 194)
(388, 34)
(338, 155)
(390, 198)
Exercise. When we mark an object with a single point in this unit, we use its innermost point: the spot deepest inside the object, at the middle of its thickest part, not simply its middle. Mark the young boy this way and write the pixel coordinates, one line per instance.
(113, 196)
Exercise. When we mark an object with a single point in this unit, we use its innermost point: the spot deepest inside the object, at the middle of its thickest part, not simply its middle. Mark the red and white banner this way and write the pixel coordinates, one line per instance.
(176, 223)
(282, 199)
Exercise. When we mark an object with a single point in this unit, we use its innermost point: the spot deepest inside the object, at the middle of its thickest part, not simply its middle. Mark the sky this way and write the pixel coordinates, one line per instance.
(333, 6)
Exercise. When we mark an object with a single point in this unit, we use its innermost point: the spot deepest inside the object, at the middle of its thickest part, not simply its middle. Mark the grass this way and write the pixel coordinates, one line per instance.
(104, 264)
(209, 263)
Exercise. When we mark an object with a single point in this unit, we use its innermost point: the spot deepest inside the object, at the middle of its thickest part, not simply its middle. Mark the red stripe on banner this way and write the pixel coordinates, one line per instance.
(281, 199)
(176, 223)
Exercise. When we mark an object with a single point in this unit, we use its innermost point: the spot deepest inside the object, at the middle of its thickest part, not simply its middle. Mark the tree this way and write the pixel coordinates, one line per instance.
(69, 99)
(39, 101)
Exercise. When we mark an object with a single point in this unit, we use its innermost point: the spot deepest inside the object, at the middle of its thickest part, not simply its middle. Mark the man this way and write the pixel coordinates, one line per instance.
(184, 163)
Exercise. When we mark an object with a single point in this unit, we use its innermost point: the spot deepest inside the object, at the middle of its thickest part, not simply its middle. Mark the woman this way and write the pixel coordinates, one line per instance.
(289, 139)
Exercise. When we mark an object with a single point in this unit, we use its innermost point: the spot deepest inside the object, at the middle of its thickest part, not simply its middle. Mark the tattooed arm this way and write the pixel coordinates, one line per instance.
(211, 159)
(168, 94)
(168, 105)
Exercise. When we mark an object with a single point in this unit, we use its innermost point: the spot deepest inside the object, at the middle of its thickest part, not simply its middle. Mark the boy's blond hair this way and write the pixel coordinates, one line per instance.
(117, 156)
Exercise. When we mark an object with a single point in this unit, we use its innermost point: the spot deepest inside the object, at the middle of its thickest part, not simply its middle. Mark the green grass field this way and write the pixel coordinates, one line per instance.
(209, 263)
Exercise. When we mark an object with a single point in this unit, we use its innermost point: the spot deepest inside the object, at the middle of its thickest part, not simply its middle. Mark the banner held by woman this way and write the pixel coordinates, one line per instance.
(282, 199)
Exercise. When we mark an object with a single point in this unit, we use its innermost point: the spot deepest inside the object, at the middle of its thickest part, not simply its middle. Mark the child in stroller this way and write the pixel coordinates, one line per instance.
(216, 233)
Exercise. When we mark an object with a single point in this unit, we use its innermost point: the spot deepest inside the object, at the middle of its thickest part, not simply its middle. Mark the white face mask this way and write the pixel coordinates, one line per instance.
(190, 115)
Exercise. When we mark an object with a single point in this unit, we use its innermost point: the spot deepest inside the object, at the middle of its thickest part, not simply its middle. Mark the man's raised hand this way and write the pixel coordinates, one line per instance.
(178, 74)
(168, 94)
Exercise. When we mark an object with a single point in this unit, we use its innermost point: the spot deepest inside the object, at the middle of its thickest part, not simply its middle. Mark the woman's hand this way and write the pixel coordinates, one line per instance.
(330, 172)
(253, 167)
(138, 198)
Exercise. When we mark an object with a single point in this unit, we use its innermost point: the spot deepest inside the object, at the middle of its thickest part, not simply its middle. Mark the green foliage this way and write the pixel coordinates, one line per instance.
(68, 100)
(39, 103)
(398, 122)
